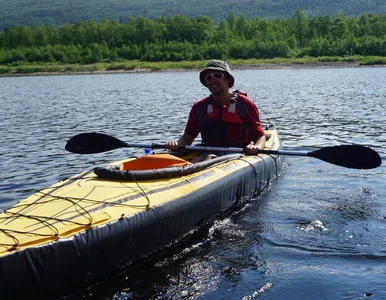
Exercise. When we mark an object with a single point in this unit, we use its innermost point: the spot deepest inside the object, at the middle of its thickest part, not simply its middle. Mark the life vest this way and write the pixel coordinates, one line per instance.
(224, 126)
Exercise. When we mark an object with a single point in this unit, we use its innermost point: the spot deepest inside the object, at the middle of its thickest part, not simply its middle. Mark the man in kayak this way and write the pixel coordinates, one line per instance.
(224, 118)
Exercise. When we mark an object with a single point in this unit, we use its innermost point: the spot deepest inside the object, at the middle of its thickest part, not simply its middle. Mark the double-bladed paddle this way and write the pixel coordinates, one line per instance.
(349, 156)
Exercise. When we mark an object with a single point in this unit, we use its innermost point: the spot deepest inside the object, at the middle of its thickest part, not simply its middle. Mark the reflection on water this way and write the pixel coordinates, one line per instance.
(318, 231)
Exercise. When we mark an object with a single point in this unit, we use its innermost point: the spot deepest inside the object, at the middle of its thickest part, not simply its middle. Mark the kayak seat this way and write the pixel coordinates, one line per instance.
(153, 161)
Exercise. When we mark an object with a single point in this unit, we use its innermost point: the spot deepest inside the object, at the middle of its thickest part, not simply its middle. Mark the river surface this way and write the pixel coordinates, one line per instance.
(318, 232)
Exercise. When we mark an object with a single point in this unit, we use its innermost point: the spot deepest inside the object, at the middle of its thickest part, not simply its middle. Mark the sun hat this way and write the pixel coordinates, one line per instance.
(217, 65)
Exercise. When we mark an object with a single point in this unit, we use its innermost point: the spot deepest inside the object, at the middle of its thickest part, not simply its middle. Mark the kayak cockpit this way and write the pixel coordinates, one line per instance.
(157, 166)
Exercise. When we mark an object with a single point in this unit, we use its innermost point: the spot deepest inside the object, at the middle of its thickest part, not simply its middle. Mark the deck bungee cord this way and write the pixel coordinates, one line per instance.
(81, 210)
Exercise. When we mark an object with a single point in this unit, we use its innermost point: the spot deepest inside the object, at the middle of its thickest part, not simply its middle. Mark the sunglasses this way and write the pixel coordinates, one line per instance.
(217, 76)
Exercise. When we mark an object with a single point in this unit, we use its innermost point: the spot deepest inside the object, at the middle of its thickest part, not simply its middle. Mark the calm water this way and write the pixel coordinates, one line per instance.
(319, 232)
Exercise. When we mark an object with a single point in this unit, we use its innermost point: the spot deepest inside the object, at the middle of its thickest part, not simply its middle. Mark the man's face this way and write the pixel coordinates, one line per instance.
(217, 82)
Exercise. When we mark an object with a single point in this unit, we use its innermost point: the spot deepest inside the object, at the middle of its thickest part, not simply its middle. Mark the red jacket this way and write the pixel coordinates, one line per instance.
(235, 124)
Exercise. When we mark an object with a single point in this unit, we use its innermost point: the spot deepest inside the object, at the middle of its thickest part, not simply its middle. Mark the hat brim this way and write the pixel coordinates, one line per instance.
(203, 74)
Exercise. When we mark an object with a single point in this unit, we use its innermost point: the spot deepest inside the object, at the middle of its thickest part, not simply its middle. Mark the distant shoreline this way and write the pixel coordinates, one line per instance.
(305, 65)
(246, 66)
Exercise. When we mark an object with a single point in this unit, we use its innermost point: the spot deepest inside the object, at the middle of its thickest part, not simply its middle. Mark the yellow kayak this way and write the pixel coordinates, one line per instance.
(83, 229)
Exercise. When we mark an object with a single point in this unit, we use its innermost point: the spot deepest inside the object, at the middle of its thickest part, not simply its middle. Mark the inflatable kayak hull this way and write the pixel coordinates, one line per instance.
(80, 231)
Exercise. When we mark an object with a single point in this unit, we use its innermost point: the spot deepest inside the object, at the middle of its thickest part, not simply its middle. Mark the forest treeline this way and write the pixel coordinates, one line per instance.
(60, 12)
(179, 38)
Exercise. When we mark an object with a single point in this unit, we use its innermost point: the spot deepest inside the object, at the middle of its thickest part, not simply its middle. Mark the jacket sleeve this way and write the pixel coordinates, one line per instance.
(192, 126)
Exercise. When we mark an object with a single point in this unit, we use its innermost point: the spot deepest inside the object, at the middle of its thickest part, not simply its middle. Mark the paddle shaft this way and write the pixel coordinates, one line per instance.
(192, 148)
(219, 149)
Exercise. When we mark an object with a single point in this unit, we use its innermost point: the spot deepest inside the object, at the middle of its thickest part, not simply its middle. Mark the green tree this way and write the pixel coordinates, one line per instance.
(231, 21)
(109, 32)
(66, 35)
(202, 29)
(221, 34)
(299, 27)
(41, 37)
(322, 25)
(339, 28)
(128, 32)
(178, 51)
(241, 27)
(215, 51)
(17, 36)
(148, 31)
(364, 25)
(351, 44)
(129, 52)
(178, 28)
(94, 53)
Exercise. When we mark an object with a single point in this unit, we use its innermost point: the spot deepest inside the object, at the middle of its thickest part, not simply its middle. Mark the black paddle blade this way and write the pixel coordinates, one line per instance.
(349, 156)
(88, 143)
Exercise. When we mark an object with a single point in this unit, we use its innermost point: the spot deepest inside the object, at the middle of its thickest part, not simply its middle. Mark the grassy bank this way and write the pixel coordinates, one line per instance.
(141, 66)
